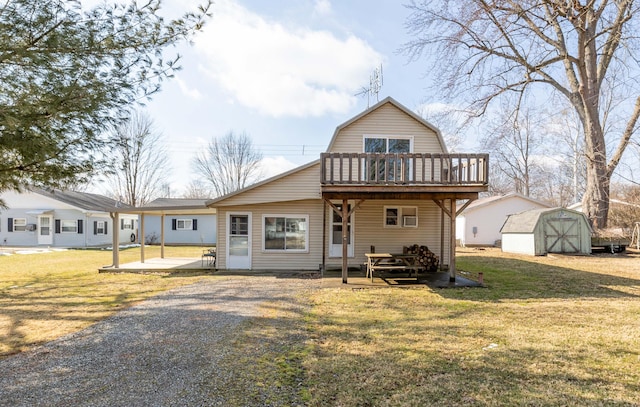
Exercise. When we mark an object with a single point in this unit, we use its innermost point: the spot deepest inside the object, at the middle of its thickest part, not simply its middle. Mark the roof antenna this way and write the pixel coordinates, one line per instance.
(375, 84)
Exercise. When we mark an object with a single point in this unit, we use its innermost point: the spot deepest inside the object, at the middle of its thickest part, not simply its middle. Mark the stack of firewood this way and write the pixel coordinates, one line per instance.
(426, 258)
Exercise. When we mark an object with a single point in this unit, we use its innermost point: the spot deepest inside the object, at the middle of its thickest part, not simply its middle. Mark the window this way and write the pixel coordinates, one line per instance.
(387, 169)
(19, 224)
(400, 216)
(184, 224)
(126, 224)
(285, 233)
(100, 227)
(69, 226)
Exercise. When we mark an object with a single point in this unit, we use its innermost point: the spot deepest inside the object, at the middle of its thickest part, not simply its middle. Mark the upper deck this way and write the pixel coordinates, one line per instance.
(378, 173)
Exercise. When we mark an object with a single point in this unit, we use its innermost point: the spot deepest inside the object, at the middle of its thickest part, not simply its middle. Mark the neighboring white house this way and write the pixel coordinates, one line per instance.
(541, 231)
(181, 227)
(480, 222)
(38, 217)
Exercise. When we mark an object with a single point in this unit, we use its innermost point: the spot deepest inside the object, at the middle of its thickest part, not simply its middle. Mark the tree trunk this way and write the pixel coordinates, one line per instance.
(595, 203)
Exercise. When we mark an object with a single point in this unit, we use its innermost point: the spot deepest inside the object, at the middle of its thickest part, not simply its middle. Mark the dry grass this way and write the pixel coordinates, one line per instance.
(547, 331)
(556, 330)
(46, 295)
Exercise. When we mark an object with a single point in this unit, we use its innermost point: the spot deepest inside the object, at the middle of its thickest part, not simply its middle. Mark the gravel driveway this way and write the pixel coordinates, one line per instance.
(171, 350)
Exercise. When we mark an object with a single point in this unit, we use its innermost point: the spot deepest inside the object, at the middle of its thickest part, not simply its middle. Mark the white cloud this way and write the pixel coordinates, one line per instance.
(280, 70)
(272, 166)
(322, 7)
(187, 91)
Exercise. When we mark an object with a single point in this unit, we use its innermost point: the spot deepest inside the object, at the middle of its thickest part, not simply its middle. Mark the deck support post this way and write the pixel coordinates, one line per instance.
(452, 236)
(345, 240)
(115, 241)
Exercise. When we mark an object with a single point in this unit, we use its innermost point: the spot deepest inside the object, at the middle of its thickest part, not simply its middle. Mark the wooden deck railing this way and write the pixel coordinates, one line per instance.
(404, 169)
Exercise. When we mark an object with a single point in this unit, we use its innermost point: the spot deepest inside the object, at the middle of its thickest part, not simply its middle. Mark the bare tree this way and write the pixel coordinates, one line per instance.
(514, 143)
(229, 163)
(492, 47)
(141, 169)
(197, 189)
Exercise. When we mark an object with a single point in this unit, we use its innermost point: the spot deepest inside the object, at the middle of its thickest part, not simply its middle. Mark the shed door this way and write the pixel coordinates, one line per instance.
(562, 235)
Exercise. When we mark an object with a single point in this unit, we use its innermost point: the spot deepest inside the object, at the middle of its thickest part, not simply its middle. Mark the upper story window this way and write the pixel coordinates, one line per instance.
(385, 168)
(384, 144)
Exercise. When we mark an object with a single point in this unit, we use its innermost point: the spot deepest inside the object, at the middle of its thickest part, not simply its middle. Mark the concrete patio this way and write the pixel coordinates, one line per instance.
(357, 278)
(173, 264)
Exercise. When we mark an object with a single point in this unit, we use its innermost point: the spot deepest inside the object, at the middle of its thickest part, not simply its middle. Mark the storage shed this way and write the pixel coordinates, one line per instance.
(548, 230)
(480, 222)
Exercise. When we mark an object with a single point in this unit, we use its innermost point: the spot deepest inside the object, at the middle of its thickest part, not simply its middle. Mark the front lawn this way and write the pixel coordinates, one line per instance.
(547, 331)
(46, 295)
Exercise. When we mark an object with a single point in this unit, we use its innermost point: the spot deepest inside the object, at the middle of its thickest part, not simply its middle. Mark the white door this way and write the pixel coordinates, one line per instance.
(239, 241)
(44, 229)
(335, 238)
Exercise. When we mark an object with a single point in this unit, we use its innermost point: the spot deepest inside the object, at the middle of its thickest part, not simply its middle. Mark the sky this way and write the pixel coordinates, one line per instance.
(285, 72)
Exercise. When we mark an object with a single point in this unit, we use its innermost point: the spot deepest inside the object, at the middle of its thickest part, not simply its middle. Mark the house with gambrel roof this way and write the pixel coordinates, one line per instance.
(385, 182)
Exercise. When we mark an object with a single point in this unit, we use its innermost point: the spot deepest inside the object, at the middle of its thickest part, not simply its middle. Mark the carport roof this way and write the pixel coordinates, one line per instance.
(173, 206)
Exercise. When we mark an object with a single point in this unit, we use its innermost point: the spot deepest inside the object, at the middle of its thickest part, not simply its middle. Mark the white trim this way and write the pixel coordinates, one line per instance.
(285, 216)
(335, 249)
(247, 264)
(104, 223)
(24, 224)
(184, 222)
(387, 137)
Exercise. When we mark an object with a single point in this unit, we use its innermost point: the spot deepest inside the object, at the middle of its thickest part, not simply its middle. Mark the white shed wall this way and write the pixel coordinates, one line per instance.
(523, 243)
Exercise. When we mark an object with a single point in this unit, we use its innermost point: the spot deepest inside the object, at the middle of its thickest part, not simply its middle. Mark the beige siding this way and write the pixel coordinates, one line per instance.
(262, 260)
(300, 185)
(387, 120)
(370, 231)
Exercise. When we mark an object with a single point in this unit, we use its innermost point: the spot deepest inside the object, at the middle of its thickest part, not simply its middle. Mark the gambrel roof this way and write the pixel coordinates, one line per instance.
(389, 101)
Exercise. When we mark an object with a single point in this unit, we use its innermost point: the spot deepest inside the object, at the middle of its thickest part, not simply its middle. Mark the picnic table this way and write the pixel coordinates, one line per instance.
(391, 261)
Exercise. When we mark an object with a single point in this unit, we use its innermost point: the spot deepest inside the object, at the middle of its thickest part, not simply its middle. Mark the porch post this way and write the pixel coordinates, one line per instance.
(452, 238)
(162, 236)
(141, 237)
(345, 240)
(115, 240)
(323, 266)
(441, 238)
